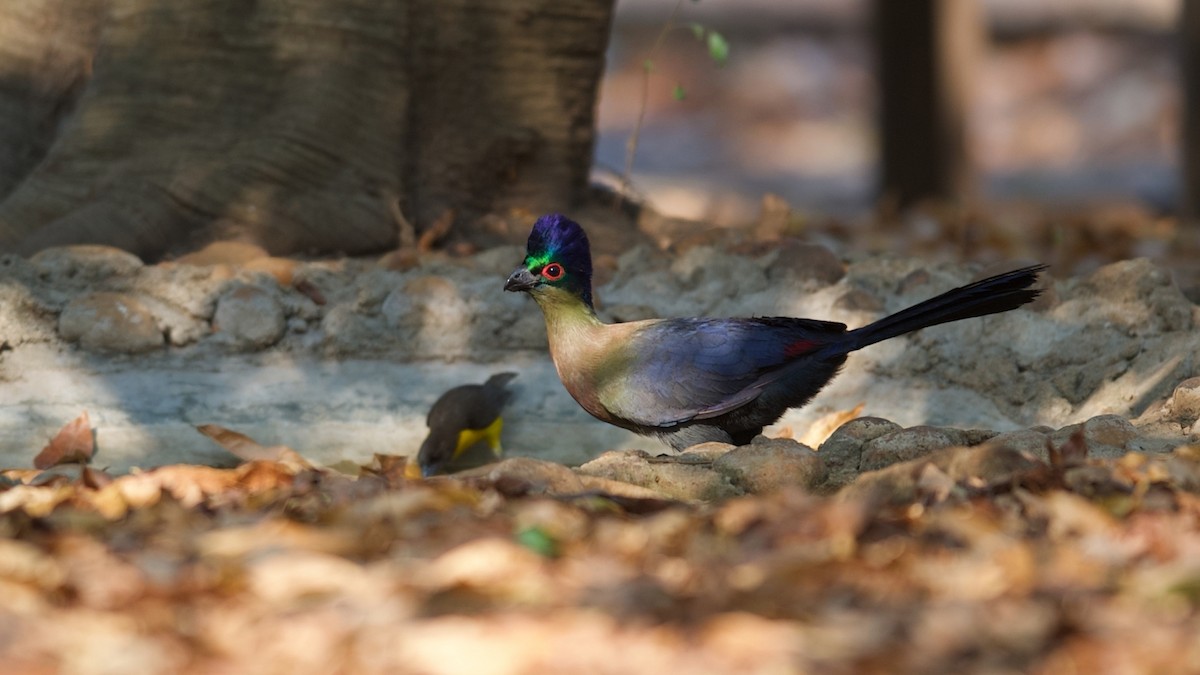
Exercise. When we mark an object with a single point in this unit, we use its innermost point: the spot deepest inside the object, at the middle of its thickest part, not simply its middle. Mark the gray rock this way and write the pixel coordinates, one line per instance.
(373, 287)
(85, 262)
(667, 475)
(433, 315)
(858, 300)
(535, 475)
(906, 444)
(1185, 401)
(22, 317)
(499, 261)
(980, 467)
(800, 261)
(1109, 430)
(301, 307)
(1142, 285)
(1148, 443)
(770, 464)
(192, 289)
(713, 273)
(179, 327)
(110, 322)
(986, 465)
(250, 317)
(1106, 435)
(842, 451)
(346, 332)
(1027, 441)
(709, 451)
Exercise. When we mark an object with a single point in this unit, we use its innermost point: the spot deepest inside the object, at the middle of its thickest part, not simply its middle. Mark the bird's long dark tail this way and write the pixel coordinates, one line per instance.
(496, 387)
(986, 296)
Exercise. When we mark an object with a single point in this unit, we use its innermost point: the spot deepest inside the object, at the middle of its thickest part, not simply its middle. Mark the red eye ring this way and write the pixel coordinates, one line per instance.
(552, 272)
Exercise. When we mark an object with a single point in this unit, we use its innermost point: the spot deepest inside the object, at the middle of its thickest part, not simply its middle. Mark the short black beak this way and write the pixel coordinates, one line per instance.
(520, 280)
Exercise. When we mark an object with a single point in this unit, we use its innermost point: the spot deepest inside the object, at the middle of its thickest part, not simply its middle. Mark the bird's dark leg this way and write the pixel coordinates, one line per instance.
(687, 436)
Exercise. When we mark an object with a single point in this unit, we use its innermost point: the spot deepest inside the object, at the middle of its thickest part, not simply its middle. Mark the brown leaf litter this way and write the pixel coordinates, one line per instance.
(1070, 565)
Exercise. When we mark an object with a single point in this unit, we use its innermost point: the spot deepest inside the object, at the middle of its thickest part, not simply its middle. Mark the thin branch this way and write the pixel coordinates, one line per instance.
(631, 145)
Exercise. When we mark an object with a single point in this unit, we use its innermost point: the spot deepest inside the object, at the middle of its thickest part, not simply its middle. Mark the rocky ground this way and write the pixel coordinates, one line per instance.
(967, 560)
(341, 359)
(1017, 493)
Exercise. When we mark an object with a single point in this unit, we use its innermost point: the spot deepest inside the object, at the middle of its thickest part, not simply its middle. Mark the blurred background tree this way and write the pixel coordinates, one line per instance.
(927, 54)
(979, 128)
(300, 125)
(976, 128)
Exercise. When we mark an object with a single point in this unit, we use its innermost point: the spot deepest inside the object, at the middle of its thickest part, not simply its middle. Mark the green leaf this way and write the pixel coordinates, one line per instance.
(697, 30)
(538, 540)
(718, 48)
(648, 66)
(679, 92)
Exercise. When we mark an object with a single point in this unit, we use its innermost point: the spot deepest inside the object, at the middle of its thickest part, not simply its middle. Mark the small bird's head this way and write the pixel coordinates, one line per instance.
(436, 452)
(558, 261)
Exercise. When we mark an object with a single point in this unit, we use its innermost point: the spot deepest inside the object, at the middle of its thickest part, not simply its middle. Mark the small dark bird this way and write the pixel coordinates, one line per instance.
(462, 417)
(693, 380)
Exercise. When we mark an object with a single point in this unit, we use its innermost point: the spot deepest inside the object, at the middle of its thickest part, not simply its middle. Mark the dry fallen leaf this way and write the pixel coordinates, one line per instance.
(438, 230)
(393, 468)
(260, 476)
(275, 535)
(109, 501)
(249, 450)
(74, 443)
(94, 478)
(281, 269)
(305, 287)
(190, 484)
(821, 429)
(35, 501)
(26, 476)
(224, 252)
(405, 229)
(1071, 453)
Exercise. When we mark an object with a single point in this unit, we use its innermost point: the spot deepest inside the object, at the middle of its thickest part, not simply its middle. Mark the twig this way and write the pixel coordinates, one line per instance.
(407, 233)
(631, 145)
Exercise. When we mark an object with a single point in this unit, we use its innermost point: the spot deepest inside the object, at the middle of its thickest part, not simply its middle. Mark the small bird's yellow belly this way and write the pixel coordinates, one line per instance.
(490, 434)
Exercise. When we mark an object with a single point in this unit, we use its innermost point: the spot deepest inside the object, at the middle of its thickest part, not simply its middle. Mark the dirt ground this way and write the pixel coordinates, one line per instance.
(341, 359)
(1012, 493)
(1019, 493)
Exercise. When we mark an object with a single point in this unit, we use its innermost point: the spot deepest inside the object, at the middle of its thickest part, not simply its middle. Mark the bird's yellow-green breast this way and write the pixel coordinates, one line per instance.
(489, 434)
(461, 418)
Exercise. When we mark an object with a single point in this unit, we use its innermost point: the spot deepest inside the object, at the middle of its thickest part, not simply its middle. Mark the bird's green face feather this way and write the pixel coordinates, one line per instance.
(536, 264)
(558, 290)
(552, 273)
(557, 265)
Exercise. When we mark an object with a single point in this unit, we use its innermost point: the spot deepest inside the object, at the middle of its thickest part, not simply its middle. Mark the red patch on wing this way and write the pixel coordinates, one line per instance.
(800, 347)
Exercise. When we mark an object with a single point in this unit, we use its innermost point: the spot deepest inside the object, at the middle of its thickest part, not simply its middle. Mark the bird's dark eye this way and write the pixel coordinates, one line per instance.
(552, 272)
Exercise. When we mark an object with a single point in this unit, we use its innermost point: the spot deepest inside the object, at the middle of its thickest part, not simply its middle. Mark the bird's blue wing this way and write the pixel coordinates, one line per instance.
(679, 370)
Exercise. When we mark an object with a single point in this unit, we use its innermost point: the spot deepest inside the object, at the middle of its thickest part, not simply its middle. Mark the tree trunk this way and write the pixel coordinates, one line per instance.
(46, 50)
(1189, 40)
(299, 124)
(926, 54)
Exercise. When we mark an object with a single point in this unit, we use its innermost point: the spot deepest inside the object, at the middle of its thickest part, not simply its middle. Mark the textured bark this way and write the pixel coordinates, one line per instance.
(927, 50)
(517, 141)
(1189, 39)
(299, 124)
(46, 52)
